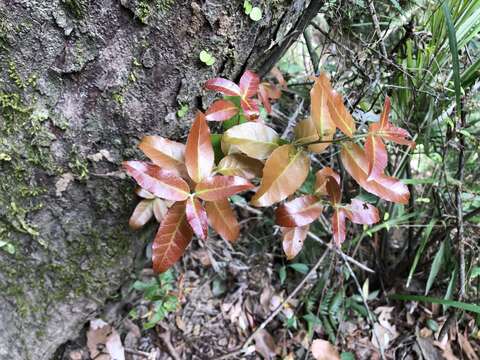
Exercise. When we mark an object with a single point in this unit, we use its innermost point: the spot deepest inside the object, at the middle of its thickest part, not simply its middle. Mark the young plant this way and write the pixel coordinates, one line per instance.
(249, 150)
(160, 296)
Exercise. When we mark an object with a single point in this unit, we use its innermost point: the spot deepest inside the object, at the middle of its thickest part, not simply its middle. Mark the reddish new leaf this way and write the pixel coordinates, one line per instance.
(161, 183)
(293, 238)
(142, 214)
(197, 217)
(223, 86)
(321, 178)
(249, 84)
(221, 110)
(395, 134)
(199, 155)
(279, 76)
(334, 191)
(284, 172)
(223, 219)
(173, 237)
(298, 212)
(377, 155)
(216, 188)
(338, 226)
(267, 91)
(355, 162)
(240, 165)
(167, 154)
(383, 123)
(143, 193)
(361, 212)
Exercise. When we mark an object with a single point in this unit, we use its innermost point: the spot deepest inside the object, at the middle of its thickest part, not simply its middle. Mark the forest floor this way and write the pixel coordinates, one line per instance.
(227, 294)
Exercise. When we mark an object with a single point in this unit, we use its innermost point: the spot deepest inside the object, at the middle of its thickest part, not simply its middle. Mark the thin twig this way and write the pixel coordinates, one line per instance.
(340, 252)
(277, 310)
(292, 121)
(376, 24)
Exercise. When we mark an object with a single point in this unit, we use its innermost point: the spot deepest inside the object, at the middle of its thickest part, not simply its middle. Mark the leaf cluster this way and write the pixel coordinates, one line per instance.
(186, 187)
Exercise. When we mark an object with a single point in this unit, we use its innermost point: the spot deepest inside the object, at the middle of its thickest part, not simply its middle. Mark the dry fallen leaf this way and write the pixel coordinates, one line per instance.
(467, 347)
(323, 350)
(264, 344)
(104, 342)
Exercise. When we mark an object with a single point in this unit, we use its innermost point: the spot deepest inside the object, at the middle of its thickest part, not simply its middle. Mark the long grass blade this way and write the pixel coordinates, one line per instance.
(457, 304)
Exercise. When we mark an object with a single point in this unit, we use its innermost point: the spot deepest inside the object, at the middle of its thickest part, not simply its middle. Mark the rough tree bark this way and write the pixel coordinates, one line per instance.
(80, 82)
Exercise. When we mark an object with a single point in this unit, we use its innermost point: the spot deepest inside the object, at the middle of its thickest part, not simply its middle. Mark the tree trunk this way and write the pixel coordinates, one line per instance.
(81, 82)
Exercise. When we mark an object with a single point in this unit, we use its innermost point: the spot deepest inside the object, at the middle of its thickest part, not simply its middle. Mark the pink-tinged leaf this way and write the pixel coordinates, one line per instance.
(216, 188)
(284, 172)
(385, 114)
(338, 226)
(250, 108)
(173, 237)
(293, 239)
(144, 193)
(360, 212)
(223, 219)
(240, 165)
(377, 156)
(279, 76)
(298, 212)
(160, 208)
(249, 84)
(355, 162)
(161, 183)
(199, 155)
(397, 135)
(264, 98)
(142, 214)
(197, 217)
(167, 154)
(321, 178)
(221, 110)
(223, 86)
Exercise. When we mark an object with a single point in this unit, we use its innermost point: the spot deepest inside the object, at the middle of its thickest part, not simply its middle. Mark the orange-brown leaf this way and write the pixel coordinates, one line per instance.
(321, 178)
(240, 165)
(197, 217)
(305, 132)
(216, 188)
(249, 84)
(173, 237)
(223, 219)
(385, 114)
(167, 154)
(356, 163)
(377, 156)
(160, 208)
(340, 115)
(142, 214)
(321, 95)
(298, 212)
(293, 238)
(199, 155)
(284, 172)
(333, 191)
(221, 110)
(161, 183)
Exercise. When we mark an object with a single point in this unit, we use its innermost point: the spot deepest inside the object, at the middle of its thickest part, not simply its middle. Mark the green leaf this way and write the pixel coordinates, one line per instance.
(452, 40)
(247, 7)
(436, 266)
(282, 274)
(301, 268)
(206, 58)
(475, 272)
(216, 140)
(256, 14)
(432, 325)
(420, 249)
(457, 304)
(347, 356)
